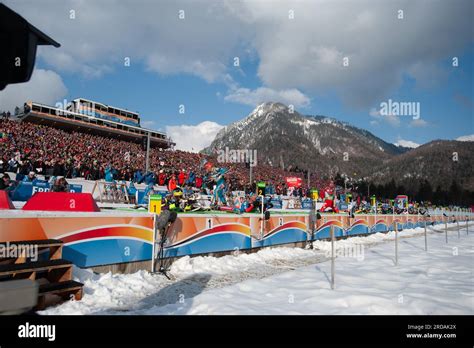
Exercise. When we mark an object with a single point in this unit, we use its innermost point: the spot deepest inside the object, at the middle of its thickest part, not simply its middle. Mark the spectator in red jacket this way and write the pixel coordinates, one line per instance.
(181, 177)
(161, 178)
(198, 182)
(172, 183)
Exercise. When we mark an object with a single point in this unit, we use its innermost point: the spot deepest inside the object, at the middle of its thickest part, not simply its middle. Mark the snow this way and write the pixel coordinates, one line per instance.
(296, 281)
(466, 138)
(259, 111)
(306, 123)
(407, 143)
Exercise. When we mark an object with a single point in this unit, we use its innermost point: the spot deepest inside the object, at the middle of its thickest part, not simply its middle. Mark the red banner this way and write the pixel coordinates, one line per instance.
(293, 181)
(61, 201)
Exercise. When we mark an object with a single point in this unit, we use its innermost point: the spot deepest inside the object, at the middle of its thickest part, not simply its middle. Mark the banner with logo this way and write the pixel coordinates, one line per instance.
(293, 181)
(25, 190)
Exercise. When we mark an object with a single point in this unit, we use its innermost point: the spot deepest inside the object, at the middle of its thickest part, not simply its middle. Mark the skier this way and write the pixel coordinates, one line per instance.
(221, 187)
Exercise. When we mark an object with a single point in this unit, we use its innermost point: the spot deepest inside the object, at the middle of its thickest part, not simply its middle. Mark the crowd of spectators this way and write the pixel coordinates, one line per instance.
(26, 147)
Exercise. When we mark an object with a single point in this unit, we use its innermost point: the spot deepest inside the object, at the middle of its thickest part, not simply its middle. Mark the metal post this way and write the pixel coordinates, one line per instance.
(312, 221)
(250, 175)
(375, 220)
(457, 222)
(396, 244)
(446, 227)
(418, 215)
(426, 238)
(262, 218)
(147, 165)
(332, 257)
(467, 223)
(153, 247)
(393, 215)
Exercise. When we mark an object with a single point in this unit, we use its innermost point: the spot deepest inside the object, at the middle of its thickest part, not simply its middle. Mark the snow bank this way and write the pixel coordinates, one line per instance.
(296, 281)
(439, 281)
(234, 263)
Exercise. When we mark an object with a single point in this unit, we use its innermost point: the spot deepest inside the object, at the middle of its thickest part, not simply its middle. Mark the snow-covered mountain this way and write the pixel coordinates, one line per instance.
(285, 138)
(327, 146)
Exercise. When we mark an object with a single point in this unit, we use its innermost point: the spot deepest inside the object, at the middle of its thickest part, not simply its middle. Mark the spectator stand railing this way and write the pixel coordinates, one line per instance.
(111, 192)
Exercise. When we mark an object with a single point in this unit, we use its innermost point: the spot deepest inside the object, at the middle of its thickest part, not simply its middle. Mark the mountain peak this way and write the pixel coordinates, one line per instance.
(267, 107)
(282, 135)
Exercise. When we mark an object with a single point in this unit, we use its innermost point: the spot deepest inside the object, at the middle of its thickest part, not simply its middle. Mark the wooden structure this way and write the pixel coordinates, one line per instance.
(52, 273)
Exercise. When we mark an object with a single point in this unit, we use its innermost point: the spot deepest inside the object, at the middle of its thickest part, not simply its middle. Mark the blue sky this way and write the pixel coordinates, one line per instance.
(292, 60)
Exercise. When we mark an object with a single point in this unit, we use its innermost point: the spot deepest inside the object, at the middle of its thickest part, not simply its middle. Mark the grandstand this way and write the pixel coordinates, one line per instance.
(83, 138)
(107, 112)
(91, 117)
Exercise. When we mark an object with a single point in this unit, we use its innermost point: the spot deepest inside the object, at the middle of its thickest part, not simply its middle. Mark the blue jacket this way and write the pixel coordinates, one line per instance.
(149, 178)
(191, 178)
(109, 174)
(138, 176)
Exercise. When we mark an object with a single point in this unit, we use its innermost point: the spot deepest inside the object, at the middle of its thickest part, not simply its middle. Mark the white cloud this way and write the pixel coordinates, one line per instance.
(407, 143)
(419, 123)
(395, 120)
(45, 86)
(193, 137)
(466, 138)
(374, 112)
(304, 53)
(392, 120)
(103, 34)
(307, 52)
(261, 95)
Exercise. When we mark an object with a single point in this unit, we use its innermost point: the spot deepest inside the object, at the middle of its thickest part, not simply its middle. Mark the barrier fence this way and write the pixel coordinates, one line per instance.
(104, 238)
(462, 215)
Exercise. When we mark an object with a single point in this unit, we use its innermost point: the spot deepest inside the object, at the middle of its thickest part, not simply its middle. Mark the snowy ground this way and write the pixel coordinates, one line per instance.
(297, 281)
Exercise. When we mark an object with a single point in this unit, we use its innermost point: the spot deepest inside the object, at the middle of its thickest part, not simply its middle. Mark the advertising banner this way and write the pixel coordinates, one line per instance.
(293, 181)
(25, 190)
